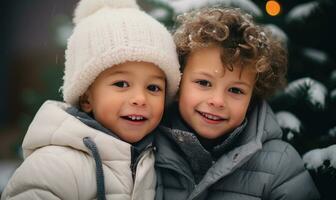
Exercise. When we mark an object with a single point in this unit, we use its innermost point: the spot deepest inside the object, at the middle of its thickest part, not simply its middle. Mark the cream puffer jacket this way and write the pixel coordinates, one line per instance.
(58, 165)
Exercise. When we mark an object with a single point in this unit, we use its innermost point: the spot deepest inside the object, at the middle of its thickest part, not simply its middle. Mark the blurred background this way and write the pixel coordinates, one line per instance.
(33, 40)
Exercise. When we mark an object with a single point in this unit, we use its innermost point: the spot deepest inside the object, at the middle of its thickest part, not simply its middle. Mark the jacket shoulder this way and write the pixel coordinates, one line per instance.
(286, 161)
(46, 174)
(287, 176)
(273, 153)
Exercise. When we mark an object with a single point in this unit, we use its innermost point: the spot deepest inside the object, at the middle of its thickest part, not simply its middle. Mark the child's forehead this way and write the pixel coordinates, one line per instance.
(219, 69)
(210, 58)
(236, 72)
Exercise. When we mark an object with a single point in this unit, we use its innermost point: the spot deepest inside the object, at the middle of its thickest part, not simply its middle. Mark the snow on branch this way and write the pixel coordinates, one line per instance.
(317, 158)
(288, 121)
(311, 90)
(302, 11)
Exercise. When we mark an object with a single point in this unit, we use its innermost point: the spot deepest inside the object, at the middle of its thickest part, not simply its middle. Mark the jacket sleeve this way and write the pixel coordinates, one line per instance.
(42, 176)
(291, 180)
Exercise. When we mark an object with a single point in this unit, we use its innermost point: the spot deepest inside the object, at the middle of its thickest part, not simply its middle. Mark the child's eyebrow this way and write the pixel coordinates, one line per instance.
(117, 72)
(203, 73)
(242, 83)
(159, 77)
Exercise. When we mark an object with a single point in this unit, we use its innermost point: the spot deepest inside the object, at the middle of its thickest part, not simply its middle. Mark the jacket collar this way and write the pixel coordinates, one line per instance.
(91, 122)
(57, 123)
(199, 157)
(52, 125)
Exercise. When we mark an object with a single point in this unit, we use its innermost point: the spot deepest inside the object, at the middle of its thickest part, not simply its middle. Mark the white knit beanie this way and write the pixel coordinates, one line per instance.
(111, 32)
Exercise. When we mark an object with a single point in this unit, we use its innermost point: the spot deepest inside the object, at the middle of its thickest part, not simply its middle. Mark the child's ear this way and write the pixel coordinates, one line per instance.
(84, 102)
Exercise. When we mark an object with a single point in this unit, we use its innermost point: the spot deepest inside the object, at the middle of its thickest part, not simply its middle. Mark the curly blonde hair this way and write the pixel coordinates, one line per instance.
(242, 43)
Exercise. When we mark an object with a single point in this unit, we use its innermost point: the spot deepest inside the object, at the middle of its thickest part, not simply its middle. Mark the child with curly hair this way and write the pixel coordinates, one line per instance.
(220, 139)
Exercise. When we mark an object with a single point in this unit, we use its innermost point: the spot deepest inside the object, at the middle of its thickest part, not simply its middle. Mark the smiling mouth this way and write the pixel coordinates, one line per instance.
(211, 117)
(134, 118)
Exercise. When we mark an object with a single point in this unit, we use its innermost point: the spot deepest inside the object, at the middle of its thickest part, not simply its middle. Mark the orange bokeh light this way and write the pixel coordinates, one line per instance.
(273, 8)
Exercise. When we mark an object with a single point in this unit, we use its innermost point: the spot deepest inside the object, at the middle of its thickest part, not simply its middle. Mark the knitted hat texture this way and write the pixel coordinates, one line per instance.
(111, 32)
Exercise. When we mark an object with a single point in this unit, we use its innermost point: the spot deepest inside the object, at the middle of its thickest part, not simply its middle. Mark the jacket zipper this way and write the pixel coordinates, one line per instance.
(134, 164)
(179, 172)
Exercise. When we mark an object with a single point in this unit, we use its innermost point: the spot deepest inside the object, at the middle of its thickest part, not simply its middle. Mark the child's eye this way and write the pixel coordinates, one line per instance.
(153, 88)
(204, 83)
(236, 90)
(121, 84)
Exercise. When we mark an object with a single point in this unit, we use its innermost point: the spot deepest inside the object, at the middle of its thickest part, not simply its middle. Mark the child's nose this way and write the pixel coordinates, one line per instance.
(138, 99)
(216, 101)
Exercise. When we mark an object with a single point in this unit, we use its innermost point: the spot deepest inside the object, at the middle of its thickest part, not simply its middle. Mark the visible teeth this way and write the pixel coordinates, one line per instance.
(136, 118)
(212, 117)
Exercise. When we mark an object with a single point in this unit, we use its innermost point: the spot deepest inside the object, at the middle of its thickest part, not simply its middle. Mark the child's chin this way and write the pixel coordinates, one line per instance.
(131, 139)
(209, 134)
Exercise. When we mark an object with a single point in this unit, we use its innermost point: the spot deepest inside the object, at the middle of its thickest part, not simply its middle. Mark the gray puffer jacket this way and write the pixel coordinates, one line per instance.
(259, 165)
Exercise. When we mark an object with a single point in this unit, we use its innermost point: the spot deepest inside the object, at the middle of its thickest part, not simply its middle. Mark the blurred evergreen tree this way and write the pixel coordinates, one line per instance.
(49, 77)
(311, 30)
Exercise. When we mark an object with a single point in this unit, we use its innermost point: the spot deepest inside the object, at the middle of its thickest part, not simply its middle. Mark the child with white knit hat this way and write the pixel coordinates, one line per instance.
(121, 69)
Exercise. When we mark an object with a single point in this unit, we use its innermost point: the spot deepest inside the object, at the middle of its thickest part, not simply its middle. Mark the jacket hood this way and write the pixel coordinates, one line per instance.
(53, 125)
(262, 125)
